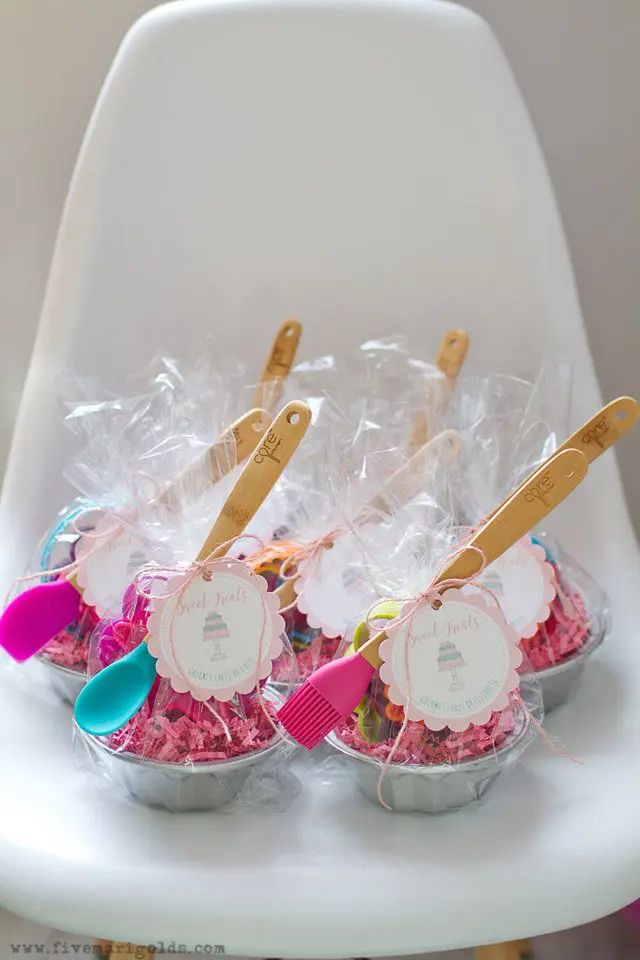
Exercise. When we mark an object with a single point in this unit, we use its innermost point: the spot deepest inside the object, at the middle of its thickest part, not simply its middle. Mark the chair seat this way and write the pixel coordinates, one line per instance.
(555, 844)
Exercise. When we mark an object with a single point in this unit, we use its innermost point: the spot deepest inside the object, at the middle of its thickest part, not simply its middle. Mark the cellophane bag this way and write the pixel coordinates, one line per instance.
(180, 752)
(410, 767)
(322, 525)
(130, 450)
(510, 425)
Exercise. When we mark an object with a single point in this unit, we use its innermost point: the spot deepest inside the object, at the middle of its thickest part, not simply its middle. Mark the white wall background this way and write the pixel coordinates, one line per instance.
(577, 61)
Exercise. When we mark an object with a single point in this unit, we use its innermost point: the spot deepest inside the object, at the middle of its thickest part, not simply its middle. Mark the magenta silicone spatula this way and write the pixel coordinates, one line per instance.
(34, 617)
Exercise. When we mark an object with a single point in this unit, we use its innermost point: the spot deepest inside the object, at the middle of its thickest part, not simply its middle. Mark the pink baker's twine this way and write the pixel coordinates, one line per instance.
(554, 744)
(101, 539)
(194, 570)
(310, 553)
(227, 732)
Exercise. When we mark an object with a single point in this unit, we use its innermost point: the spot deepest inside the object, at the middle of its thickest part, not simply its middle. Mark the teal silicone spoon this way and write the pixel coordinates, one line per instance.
(116, 694)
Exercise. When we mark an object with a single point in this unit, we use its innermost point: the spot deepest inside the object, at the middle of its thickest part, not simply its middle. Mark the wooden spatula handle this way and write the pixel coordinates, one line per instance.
(246, 432)
(601, 432)
(519, 513)
(267, 462)
(279, 363)
(526, 507)
(452, 351)
(408, 480)
(449, 359)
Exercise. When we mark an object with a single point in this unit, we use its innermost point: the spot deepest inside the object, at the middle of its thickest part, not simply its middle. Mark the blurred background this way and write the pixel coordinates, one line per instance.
(578, 64)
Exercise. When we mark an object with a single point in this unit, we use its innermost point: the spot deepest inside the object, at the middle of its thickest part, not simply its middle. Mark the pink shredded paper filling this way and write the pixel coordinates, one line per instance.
(311, 657)
(170, 736)
(173, 727)
(420, 745)
(563, 634)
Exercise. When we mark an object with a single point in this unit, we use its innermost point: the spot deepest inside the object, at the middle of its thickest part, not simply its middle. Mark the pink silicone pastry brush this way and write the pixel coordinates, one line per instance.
(332, 693)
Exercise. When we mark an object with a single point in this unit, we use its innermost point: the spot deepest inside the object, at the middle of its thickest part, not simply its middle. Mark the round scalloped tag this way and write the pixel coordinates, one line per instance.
(333, 589)
(461, 660)
(524, 585)
(108, 559)
(218, 634)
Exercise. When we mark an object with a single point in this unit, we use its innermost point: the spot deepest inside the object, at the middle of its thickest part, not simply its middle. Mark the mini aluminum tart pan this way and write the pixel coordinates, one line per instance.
(435, 789)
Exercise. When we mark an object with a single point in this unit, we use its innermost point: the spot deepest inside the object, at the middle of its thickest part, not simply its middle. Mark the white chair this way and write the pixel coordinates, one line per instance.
(369, 166)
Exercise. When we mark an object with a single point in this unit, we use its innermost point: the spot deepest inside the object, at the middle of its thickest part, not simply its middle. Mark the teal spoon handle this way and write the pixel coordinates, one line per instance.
(115, 694)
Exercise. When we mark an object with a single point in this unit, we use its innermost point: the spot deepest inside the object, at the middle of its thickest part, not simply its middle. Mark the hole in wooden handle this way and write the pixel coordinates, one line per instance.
(293, 417)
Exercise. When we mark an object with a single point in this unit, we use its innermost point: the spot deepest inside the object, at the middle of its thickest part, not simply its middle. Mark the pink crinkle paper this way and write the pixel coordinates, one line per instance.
(563, 633)
(175, 728)
(319, 651)
(420, 745)
(170, 736)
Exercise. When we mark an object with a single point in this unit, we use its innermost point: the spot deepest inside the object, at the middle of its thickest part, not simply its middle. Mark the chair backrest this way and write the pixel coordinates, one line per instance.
(365, 165)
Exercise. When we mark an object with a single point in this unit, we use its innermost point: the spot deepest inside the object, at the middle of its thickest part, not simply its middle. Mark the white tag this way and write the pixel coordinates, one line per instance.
(108, 560)
(334, 589)
(218, 636)
(462, 661)
(524, 585)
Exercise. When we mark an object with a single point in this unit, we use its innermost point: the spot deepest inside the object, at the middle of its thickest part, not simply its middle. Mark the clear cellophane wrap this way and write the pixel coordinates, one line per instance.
(130, 450)
(365, 406)
(510, 424)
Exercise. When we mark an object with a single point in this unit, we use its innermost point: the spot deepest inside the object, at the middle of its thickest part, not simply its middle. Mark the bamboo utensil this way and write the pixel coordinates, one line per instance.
(332, 693)
(115, 694)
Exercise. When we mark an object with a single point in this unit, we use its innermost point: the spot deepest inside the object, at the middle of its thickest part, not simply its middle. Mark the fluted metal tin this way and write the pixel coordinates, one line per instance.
(435, 789)
(184, 786)
(560, 683)
(179, 786)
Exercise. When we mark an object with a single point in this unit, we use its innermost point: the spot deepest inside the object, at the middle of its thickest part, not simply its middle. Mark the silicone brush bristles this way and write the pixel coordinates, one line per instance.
(307, 716)
(328, 696)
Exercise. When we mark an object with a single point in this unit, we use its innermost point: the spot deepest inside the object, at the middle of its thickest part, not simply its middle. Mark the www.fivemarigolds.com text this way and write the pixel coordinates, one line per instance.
(104, 951)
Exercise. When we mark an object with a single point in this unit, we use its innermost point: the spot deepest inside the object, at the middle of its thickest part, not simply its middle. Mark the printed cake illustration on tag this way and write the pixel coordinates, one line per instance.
(215, 630)
(450, 658)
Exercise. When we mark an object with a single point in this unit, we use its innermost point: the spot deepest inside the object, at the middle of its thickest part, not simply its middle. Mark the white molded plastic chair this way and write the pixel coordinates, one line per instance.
(369, 166)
